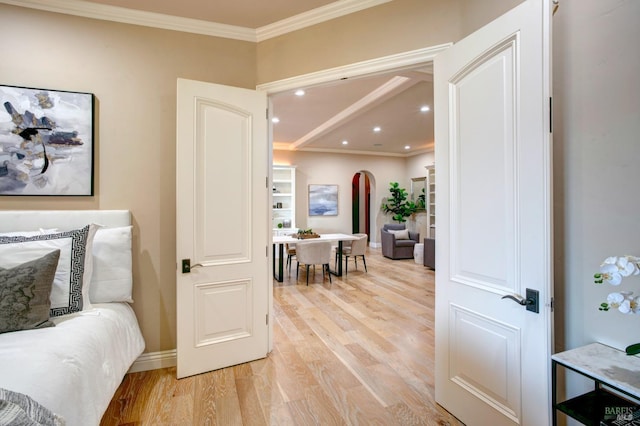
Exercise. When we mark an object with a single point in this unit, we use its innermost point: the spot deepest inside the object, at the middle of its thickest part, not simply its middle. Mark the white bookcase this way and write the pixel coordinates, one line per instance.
(430, 201)
(284, 200)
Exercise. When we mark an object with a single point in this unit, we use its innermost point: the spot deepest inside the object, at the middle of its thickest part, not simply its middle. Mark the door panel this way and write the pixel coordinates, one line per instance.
(223, 183)
(222, 170)
(493, 171)
(494, 344)
(483, 168)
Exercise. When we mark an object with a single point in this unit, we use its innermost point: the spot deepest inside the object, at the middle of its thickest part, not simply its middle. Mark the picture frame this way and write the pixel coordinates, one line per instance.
(46, 142)
(323, 200)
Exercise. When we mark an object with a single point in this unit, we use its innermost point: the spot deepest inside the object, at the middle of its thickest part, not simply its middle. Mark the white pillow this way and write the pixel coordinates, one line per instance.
(401, 234)
(68, 293)
(112, 279)
(28, 233)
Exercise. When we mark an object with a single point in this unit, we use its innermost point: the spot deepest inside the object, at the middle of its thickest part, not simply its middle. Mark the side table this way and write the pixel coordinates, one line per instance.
(430, 253)
(616, 394)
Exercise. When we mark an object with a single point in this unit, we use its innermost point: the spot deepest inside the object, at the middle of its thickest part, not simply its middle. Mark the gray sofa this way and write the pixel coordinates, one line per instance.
(394, 248)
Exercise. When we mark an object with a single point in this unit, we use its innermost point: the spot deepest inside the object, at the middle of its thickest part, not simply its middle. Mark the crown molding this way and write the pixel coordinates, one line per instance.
(284, 146)
(136, 17)
(315, 16)
(196, 26)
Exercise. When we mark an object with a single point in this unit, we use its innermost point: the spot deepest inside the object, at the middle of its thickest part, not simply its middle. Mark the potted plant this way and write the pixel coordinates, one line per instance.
(304, 234)
(397, 204)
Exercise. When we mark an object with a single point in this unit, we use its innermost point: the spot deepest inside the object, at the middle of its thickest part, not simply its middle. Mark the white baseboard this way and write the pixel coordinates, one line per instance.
(154, 360)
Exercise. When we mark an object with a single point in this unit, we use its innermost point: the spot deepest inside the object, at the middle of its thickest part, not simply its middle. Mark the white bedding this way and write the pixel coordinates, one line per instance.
(75, 367)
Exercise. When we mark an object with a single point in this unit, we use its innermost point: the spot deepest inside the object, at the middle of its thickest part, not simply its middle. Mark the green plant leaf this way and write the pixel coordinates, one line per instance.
(633, 349)
(397, 204)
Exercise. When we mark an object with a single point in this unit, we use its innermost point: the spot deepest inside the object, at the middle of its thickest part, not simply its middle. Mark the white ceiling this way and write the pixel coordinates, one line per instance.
(326, 115)
(349, 110)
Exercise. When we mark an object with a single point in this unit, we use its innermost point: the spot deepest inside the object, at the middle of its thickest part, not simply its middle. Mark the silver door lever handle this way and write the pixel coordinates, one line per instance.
(519, 300)
(187, 266)
(531, 302)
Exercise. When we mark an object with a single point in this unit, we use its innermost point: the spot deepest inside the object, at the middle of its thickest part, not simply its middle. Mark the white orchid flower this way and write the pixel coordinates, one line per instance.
(610, 272)
(625, 307)
(625, 266)
(613, 270)
(634, 261)
(624, 302)
(615, 299)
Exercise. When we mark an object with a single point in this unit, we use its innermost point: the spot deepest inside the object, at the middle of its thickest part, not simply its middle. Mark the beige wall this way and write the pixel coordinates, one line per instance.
(397, 26)
(416, 165)
(474, 14)
(597, 150)
(132, 71)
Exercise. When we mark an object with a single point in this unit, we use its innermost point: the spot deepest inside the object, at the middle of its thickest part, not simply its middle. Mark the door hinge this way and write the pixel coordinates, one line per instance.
(551, 304)
(266, 182)
(550, 115)
(267, 114)
(267, 319)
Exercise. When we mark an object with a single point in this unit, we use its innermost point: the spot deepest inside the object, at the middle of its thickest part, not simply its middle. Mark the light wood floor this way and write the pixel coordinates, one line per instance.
(357, 352)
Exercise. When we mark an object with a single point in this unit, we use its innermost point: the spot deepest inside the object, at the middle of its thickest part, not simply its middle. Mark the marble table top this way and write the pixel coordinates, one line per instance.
(604, 363)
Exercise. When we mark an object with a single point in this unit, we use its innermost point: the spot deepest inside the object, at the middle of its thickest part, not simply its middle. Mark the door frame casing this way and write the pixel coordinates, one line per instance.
(405, 60)
(401, 61)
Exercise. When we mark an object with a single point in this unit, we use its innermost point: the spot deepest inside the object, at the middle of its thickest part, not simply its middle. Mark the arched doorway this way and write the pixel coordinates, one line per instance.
(362, 185)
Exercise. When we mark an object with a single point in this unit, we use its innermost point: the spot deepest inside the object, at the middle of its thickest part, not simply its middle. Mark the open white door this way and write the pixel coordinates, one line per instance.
(221, 226)
(493, 173)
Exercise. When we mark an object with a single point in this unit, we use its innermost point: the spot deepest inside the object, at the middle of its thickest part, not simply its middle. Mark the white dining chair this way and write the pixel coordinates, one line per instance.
(358, 248)
(313, 253)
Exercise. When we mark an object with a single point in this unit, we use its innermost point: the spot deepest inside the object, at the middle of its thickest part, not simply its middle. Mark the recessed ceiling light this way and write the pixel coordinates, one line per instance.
(425, 108)
(275, 120)
(299, 92)
(345, 142)
(377, 129)
(407, 147)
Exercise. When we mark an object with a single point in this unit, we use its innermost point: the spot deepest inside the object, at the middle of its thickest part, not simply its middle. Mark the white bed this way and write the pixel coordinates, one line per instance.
(75, 367)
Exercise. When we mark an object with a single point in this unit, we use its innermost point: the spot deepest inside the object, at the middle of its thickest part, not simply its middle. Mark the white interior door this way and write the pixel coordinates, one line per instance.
(493, 173)
(221, 226)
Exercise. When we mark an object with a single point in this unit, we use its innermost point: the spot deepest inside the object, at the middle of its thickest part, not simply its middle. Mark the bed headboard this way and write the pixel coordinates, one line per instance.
(32, 220)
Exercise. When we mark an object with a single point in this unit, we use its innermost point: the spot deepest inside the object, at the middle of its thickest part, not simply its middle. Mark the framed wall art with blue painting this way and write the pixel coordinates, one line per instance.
(46, 142)
(323, 200)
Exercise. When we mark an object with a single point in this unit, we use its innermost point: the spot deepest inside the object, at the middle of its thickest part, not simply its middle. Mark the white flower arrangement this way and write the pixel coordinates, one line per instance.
(613, 270)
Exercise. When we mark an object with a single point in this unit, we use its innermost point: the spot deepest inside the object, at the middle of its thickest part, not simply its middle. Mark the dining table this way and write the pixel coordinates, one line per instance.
(281, 240)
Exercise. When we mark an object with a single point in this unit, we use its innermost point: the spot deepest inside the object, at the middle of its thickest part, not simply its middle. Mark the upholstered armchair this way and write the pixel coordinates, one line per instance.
(397, 241)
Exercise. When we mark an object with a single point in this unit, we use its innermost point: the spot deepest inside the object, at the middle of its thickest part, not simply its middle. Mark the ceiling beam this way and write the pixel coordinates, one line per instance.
(389, 89)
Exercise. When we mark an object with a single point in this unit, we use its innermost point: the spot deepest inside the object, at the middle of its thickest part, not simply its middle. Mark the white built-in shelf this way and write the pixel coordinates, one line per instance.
(284, 200)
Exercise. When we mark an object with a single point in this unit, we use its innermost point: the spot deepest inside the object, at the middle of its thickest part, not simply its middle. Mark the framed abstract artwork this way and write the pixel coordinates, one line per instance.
(323, 200)
(46, 142)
